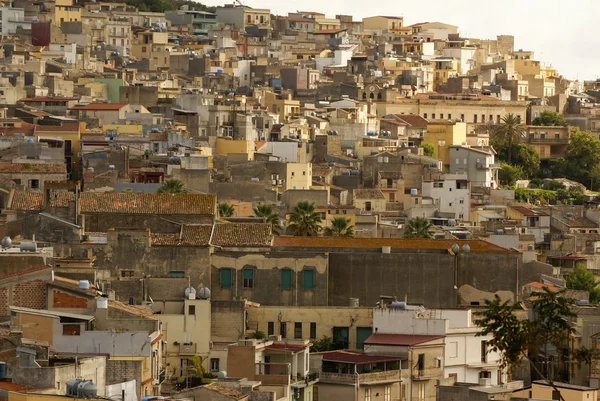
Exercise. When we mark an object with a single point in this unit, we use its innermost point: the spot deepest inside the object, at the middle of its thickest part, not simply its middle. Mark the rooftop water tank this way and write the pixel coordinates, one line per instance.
(190, 293)
(84, 284)
(87, 389)
(6, 242)
(28, 246)
(102, 303)
(414, 191)
(204, 293)
(398, 305)
(222, 375)
(354, 303)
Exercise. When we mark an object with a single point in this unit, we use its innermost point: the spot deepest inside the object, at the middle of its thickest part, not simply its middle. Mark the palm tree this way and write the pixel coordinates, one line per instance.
(340, 227)
(419, 227)
(225, 209)
(171, 186)
(510, 131)
(266, 211)
(305, 222)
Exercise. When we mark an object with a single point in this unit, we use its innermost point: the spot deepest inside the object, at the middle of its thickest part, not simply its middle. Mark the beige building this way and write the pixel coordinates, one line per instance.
(369, 200)
(350, 326)
(541, 390)
(298, 176)
(549, 142)
(383, 23)
(442, 134)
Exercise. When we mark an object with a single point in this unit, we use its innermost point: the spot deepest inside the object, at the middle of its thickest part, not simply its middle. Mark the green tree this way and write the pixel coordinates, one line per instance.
(419, 227)
(582, 279)
(322, 345)
(509, 132)
(340, 227)
(509, 174)
(305, 221)
(550, 118)
(267, 212)
(583, 157)
(225, 209)
(259, 335)
(526, 157)
(171, 186)
(428, 149)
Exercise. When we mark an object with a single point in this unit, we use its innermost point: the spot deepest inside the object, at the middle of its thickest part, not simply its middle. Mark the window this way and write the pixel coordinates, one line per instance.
(248, 18)
(433, 115)
(462, 201)
(192, 310)
(367, 394)
(270, 328)
(421, 362)
(368, 206)
(555, 395)
(421, 392)
(475, 118)
(308, 279)
(313, 330)
(283, 329)
(387, 393)
(425, 115)
(248, 278)
(442, 116)
(438, 185)
(292, 173)
(214, 364)
(71, 329)
(449, 116)
(450, 204)
(34, 184)
(462, 117)
(438, 362)
(126, 273)
(453, 349)
(403, 392)
(556, 135)
(485, 374)
(225, 278)
(298, 330)
(176, 274)
(483, 351)
(286, 279)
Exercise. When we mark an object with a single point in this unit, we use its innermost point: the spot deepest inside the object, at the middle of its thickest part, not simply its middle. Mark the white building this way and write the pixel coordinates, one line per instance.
(477, 164)
(467, 357)
(452, 194)
(11, 19)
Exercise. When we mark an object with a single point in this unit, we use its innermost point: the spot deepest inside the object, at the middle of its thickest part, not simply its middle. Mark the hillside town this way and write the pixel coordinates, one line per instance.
(221, 203)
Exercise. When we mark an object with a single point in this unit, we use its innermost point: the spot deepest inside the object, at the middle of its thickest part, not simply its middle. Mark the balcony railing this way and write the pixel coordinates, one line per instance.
(187, 349)
(375, 377)
(561, 141)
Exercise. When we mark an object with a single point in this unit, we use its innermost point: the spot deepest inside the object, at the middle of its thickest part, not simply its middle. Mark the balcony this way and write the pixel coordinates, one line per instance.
(273, 374)
(557, 141)
(361, 378)
(187, 349)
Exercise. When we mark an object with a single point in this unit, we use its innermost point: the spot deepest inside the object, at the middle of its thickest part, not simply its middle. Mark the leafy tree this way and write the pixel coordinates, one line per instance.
(340, 227)
(583, 157)
(171, 186)
(259, 335)
(550, 118)
(267, 212)
(523, 156)
(554, 185)
(322, 345)
(305, 221)
(509, 132)
(419, 227)
(225, 209)
(428, 149)
(582, 279)
(509, 174)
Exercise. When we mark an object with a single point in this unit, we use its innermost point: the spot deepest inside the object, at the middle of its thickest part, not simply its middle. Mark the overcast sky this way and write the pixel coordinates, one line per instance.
(560, 34)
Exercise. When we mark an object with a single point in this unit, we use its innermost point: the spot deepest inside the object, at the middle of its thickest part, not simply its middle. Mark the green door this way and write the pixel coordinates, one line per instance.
(362, 333)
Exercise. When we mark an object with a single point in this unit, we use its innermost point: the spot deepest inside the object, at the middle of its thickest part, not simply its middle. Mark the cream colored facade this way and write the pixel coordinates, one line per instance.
(298, 176)
(186, 332)
(381, 23)
(65, 11)
(375, 205)
(544, 392)
(442, 135)
(323, 319)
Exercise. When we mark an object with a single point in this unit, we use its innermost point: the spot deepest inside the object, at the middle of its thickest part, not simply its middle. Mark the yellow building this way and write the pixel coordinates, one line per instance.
(286, 107)
(65, 11)
(541, 390)
(226, 146)
(298, 176)
(313, 323)
(327, 24)
(369, 200)
(70, 134)
(381, 23)
(442, 134)
(444, 69)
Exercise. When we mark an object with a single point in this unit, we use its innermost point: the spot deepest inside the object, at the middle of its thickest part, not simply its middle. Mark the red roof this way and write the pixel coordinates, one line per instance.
(355, 357)
(287, 347)
(48, 99)
(525, 211)
(328, 31)
(399, 339)
(414, 120)
(33, 269)
(537, 284)
(100, 106)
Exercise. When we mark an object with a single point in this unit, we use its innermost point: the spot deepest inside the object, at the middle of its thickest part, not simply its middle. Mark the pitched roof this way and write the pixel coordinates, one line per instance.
(355, 357)
(414, 120)
(399, 339)
(368, 194)
(73, 285)
(525, 211)
(30, 200)
(398, 243)
(131, 309)
(242, 234)
(147, 203)
(190, 235)
(564, 385)
(100, 106)
(23, 272)
(225, 391)
(288, 347)
(10, 168)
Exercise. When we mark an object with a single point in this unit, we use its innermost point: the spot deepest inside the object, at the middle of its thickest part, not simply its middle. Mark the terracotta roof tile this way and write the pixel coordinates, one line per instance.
(368, 194)
(30, 200)
(147, 203)
(367, 243)
(226, 391)
(525, 211)
(242, 234)
(100, 106)
(414, 120)
(34, 269)
(6, 168)
(131, 309)
(191, 235)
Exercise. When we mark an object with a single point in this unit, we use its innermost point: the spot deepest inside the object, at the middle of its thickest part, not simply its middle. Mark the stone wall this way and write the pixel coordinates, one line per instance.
(121, 371)
(228, 321)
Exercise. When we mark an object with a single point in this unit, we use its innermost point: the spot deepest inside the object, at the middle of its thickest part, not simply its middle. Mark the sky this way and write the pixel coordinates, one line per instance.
(560, 34)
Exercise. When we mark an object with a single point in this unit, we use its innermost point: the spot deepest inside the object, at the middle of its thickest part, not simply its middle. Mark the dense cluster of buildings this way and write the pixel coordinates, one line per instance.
(112, 287)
